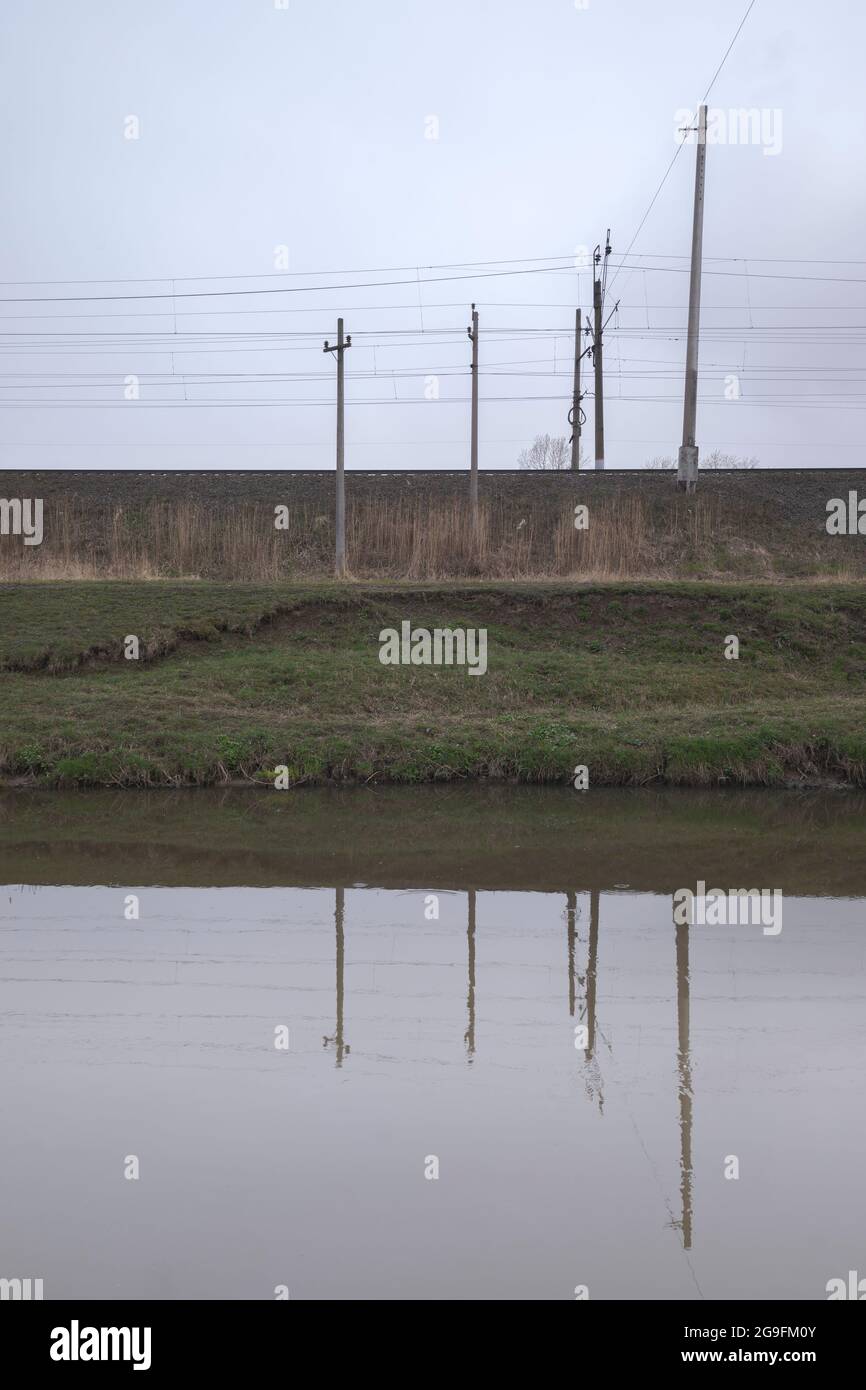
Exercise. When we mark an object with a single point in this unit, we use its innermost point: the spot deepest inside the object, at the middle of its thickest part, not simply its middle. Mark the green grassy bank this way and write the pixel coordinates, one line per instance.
(627, 678)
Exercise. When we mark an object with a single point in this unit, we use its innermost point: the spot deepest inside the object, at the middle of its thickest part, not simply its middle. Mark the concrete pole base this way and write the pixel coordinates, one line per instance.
(687, 467)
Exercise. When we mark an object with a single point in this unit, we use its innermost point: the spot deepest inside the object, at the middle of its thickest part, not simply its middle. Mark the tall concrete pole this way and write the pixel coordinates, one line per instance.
(687, 463)
(340, 556)
(340, 507)
(575, 405)
(473, 457)
(599, 376)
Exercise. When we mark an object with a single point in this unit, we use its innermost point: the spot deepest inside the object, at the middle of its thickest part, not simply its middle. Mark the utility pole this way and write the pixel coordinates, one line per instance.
(687, 462)
(599, 285)
(599, 375)
(575, 415)
(473, 456)
(340, 509)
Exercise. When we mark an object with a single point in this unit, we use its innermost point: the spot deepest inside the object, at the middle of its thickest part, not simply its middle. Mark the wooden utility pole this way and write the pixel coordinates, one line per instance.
(687, 462)
(473, 456)
(340, 509)
(574, 417)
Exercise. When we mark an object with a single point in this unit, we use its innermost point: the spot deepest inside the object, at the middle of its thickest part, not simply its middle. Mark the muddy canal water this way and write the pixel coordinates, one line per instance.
(394, 1044)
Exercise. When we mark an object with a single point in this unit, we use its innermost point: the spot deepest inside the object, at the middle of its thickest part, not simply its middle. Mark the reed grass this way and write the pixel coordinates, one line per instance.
(628, 537)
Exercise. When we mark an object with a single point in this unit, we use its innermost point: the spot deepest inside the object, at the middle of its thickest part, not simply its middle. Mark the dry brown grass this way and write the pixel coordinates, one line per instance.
(627, 537)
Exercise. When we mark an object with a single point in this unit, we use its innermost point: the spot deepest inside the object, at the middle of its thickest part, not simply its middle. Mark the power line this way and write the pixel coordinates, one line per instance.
(680, 146)
(836, 404)
(283, 289)
(727, 51)
(293, 274)
(416, 266)
(382, 284)
(455, 443)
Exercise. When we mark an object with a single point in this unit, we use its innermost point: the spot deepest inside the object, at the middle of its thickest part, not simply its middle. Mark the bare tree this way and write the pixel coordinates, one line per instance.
(713, 461)
(547, 451)
(719, 460)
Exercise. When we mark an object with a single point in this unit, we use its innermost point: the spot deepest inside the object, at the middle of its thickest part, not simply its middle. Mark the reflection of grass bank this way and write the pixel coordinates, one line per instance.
(450, 836)
(628, 678)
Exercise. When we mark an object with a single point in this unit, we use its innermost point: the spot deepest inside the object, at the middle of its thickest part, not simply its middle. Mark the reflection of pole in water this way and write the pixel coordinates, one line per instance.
(685, 1083)
(592, 1074)
(339, 911)
(591, 973)
(570, 911)
(469, 1035)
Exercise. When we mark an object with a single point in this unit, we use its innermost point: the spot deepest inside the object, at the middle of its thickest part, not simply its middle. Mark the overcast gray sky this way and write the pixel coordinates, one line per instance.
(365, 137)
